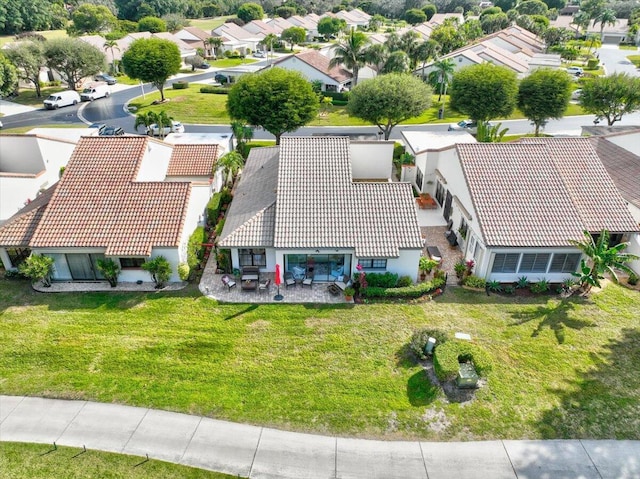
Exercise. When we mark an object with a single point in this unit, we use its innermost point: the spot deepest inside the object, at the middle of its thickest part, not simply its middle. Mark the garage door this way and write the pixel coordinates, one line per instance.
(611, 39)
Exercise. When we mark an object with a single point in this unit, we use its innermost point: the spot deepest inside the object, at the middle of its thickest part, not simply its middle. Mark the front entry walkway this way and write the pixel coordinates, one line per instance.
(259, 452)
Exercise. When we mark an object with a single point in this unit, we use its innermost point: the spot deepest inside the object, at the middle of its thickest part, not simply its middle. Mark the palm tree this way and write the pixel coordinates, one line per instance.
(243, 134)
(145, 119)
(215, 42)
(581, 20)
(603, 259)
(606, 16)
(230, 163)
(268, 42)
(441, 75)
(410, 43)
(351, 53)
(427, 50)
(376, 56)
(111, 45)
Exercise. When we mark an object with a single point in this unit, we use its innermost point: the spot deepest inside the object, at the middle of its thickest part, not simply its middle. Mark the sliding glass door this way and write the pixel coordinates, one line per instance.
(323, 267)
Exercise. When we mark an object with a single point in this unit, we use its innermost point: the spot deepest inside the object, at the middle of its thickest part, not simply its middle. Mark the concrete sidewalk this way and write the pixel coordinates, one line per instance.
(259, 452)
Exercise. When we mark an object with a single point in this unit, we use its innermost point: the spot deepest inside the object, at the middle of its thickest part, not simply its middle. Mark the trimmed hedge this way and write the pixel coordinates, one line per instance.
(447, 357)
(219, 227)
(420, 337)
(335, 95)
(414, 291)
(180, 85)
(215, 89)
(213, 208)
(195, 250)
(382, 280)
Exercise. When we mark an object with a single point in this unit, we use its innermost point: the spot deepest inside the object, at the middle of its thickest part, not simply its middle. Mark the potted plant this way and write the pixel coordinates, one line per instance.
(348, 293)
(426, 265)
(460, 268)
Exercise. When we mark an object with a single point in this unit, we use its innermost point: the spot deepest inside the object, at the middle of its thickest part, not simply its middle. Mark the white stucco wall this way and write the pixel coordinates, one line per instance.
(173, 257)
(485, 270)
(634, 248)
(200, 194)
(371, 159)
(310, 73)
(155, 163)
(28, 164)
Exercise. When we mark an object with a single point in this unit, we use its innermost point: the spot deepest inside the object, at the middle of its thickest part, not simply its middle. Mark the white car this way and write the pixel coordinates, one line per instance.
(464, 125)
(575, 96)
(575, 71)
(176, 127)
(259, 54)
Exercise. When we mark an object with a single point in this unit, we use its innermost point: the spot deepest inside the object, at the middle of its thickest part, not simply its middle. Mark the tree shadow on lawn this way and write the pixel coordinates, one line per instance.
(602, 402)
(555, 316)
(420, 390)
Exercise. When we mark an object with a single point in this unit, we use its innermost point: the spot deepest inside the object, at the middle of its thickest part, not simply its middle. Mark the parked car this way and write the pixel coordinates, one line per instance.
(108, 79)
(466, 125)
(576, 94)
(110, 130)
(62, 98)
(259, 54)
(220, 78)
(93, 92)
(176, 127)
(204, 66)
(575, 71)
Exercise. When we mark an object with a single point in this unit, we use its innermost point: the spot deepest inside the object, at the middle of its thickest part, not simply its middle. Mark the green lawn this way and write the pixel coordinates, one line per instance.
(40, 461)
(209, 108)
(562, 369)
(48, 34)
(208, 24)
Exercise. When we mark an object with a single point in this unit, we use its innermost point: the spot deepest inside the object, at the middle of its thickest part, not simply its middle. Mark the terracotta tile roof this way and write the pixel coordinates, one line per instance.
(540, 192)
(98, 203)
(318, 205)
(251, 216)
(321, 63)
(18, 230)
(193, 160)
(622, 165)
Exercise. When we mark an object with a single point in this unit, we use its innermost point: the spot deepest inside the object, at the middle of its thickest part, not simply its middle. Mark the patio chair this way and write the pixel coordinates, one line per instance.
(228, 281)
(342, 282)
(307, 281)
(289, 280)
(264, 286)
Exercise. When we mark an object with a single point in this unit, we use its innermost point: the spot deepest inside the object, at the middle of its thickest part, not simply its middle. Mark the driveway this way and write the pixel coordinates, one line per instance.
(615, 60)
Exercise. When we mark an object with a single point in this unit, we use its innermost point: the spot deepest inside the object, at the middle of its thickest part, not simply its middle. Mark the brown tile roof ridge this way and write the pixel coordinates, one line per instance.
(198, 32)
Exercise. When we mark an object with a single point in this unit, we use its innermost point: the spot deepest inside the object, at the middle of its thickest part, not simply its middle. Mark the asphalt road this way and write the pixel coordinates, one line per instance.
(112, 110)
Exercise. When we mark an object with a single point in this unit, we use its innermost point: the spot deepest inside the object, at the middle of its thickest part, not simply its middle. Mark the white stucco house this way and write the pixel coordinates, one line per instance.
(315, 66)
(514, 206)
(31, 163)
(323, 205)
(129, 198)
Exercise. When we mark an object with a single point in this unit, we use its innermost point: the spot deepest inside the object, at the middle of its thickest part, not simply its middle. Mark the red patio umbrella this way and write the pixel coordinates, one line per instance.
(278, 281)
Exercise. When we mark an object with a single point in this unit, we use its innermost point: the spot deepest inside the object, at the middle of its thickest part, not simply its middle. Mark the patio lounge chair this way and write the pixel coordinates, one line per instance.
(434, 253)
(342, 282)
(228, 281)
(288, 279)
(264, 286)
(308, 280)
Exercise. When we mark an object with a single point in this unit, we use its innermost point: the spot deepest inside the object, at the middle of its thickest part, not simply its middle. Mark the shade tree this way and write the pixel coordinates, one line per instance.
(544, 95)
(74, 59)
(611, 97)
(29, 59)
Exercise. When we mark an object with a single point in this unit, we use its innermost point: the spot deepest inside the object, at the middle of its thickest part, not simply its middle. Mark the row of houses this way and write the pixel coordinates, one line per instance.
(330, 202)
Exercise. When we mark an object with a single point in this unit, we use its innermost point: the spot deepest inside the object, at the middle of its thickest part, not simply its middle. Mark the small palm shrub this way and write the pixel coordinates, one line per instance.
(522, 282)
(541, 286)
(110, 270)
(37, 268)
(160, 270)
(475, 282)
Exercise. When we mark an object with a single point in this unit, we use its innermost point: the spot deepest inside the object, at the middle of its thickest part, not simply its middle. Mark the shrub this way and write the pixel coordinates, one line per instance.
(335, 95)
(494, 286)
(633, 279)
(180, 85)
(541, 286)
(160, 270)
(420, 337)
(37, 268)
(474, 281)
(398, 150)
(408, 292)
(14, 274)
(349, 292)
(213, 208)
(110, 270)
(339, 102)
(382, 280)
(522, 282)
(509, 290)
(184, 271)
(592, 63)
(440, 274)
(215, 89)
(460, 268)
(195, 250)
(404, 281)
(219, 227)
(447, 357)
